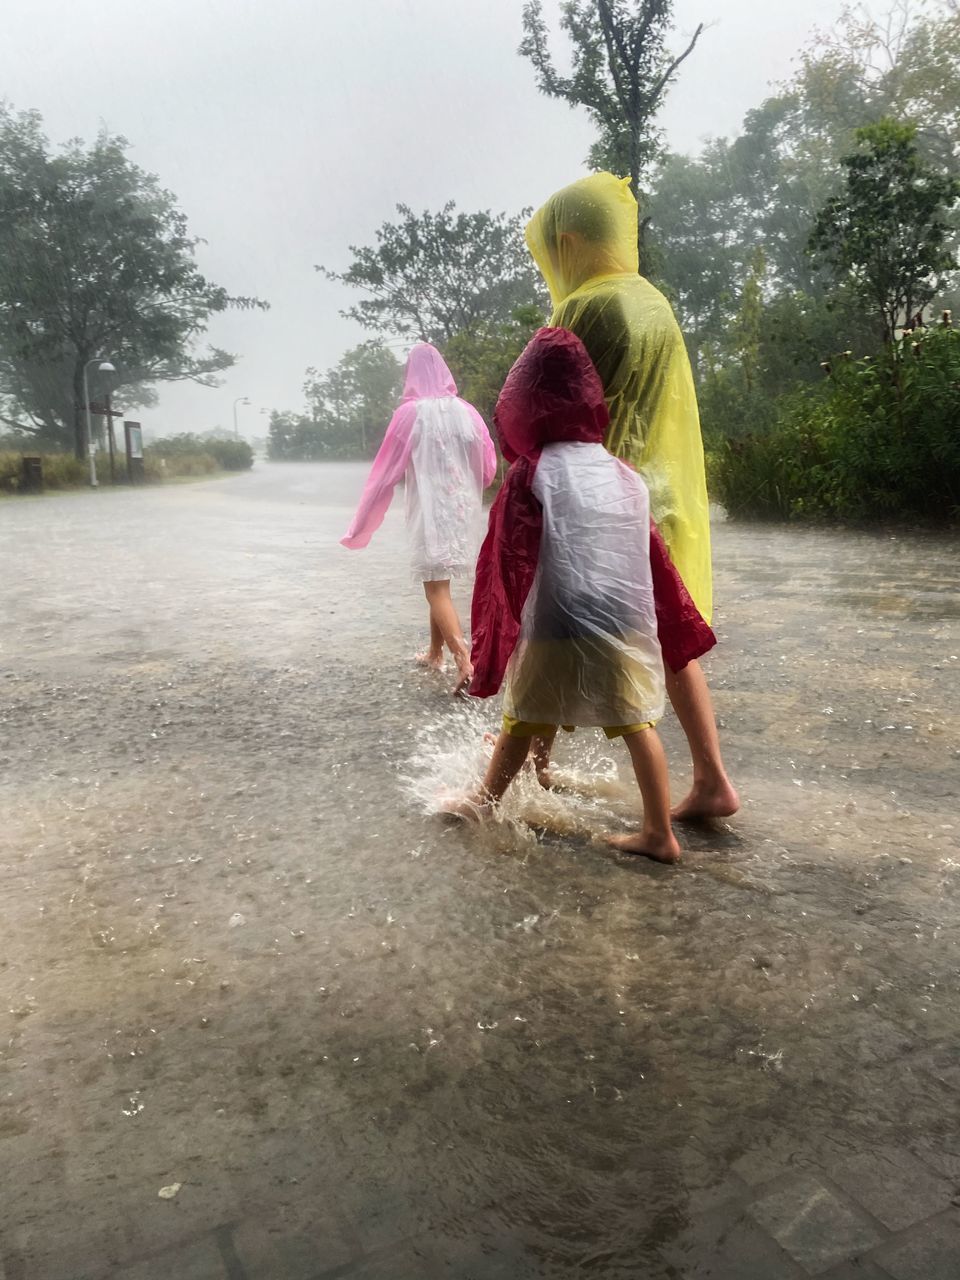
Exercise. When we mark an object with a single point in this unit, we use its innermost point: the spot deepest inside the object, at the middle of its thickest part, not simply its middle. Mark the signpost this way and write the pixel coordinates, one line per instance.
(133, 438)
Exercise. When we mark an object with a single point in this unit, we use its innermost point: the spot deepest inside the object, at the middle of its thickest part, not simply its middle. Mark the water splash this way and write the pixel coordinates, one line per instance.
(451, 754)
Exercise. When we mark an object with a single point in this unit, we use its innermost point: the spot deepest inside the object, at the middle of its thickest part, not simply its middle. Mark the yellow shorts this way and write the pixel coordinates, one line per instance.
(524, 729)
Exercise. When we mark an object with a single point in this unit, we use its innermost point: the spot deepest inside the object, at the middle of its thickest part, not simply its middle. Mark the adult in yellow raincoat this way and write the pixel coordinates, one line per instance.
(584, 240)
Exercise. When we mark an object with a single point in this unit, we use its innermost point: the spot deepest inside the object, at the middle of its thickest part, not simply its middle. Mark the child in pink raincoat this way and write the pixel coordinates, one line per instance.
(440, 447)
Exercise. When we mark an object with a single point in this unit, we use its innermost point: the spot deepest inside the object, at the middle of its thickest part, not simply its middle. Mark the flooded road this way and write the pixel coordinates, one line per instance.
(265, 1016)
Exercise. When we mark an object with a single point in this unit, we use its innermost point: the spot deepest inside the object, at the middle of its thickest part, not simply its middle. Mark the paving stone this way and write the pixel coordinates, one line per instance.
(858, 1269)
(411, 1262)
(931, 1251)
(200, 1260)
(766, 1161)
(894, 1186)
(941, 1160)
(727, 1246)
(873, 1039)
(266, 1255)
(813, 1225)
(943, 1064)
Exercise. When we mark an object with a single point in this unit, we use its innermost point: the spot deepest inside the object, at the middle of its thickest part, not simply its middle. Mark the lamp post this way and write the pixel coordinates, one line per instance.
(104, 367)
(236, 428)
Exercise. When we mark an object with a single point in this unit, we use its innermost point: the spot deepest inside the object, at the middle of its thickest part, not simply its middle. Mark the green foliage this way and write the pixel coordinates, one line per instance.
(433, 275)
(887, 234)
(621, 72)
(481, 362)
(349, 408)
(878, 440)
(95, 260)
(227, 454)
(186, 463)
(60, 471)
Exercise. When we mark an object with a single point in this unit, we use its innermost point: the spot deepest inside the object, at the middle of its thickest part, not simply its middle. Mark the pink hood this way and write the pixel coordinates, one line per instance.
(427, 377)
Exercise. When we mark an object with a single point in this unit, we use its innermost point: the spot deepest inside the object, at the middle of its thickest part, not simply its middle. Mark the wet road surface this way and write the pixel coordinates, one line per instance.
(266, 1017)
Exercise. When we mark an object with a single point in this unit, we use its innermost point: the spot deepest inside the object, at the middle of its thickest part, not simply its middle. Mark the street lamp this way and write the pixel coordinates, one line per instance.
(104, 367)
(239, 400)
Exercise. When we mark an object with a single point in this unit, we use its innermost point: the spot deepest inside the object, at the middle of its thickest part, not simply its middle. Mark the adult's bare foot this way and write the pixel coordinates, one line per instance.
(429, 659)
(659, 848)
(706, 801)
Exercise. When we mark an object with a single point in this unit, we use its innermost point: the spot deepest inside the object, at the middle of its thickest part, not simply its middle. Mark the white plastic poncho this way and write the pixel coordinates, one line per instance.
(588, 652)
(440, 447)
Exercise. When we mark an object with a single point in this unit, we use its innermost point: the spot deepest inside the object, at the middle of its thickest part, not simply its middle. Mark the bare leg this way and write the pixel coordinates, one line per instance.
(712, 794)
(505, 763)
(444, 617)
(540, 751)
(433, 657)
(656, 840)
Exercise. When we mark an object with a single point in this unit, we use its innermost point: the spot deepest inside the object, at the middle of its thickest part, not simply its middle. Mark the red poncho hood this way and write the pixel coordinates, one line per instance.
(553, 393)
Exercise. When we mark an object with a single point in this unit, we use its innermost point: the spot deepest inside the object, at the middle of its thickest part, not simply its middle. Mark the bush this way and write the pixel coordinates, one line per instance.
(229, 455)
(878, 440)
(158, 466)
(60, 471)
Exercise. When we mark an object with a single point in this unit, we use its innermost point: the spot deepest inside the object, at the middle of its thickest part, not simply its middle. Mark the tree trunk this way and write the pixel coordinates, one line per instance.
(80, 442)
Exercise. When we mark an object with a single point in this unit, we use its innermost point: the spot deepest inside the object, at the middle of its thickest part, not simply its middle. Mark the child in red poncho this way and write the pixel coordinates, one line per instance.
(563, 603)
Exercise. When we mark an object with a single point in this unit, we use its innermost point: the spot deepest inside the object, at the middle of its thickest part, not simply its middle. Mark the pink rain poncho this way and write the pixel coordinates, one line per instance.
(441, 448)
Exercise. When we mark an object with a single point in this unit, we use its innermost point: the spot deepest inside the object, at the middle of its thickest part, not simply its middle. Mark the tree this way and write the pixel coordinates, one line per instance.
(480, 362)
(887, 233)
(95, 260)
(621, 72)
(348, 408)
(433, 275)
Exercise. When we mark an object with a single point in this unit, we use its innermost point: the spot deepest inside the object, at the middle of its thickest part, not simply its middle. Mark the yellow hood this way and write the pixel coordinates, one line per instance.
(633, 339)
(602, 213)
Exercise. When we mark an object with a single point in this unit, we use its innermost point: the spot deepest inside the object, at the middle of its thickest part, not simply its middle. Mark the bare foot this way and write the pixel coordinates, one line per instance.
(707, 800)
(464, 676)
(429, 659)
(545, 778)
(475, 806)
(659, 848)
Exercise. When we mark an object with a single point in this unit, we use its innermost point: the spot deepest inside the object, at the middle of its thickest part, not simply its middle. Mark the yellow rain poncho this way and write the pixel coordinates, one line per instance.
(584, 240)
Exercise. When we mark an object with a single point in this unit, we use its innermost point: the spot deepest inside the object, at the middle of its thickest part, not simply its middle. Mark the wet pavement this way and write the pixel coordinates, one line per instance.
(265, 1018)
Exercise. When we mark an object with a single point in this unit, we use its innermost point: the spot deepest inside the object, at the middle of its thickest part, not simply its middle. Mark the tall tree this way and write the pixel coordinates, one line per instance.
(433, 275)
(621, 71)
(480, 362)
(95, 261)
(888, 233)
(348, 408)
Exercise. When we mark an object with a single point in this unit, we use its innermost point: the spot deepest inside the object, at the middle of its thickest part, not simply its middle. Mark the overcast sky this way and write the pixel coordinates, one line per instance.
(289, 129)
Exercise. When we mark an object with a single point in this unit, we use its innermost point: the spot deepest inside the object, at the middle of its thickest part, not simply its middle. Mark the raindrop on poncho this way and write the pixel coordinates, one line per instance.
(584, 240)
(440, 447)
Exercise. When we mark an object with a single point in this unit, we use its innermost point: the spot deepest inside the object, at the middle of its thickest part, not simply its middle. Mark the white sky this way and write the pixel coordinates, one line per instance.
(290, 129)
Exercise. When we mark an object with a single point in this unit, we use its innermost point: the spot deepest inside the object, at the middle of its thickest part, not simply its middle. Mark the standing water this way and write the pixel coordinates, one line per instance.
(244, 958)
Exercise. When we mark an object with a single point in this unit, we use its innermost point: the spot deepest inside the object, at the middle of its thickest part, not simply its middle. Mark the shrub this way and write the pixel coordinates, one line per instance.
(230, 455)
(878, 440)
(158, 466)
(60, 471)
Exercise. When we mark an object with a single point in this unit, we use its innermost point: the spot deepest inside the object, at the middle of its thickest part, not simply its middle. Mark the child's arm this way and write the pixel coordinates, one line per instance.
(385, 474)
(489, 449)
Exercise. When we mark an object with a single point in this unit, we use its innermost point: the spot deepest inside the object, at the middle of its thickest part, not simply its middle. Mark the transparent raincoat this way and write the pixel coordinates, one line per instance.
(584, 241)
(564, 597)
(440, 447)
